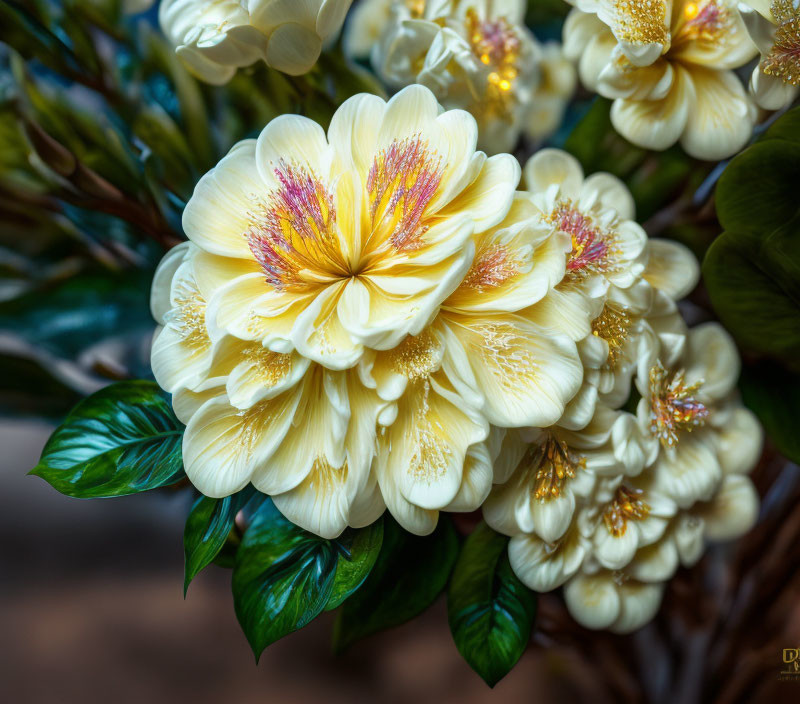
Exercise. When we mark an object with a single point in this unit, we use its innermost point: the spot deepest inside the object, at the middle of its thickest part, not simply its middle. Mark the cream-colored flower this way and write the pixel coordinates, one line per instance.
(668, 67)
(690, 410)
(477, 55)
(617, 297)
(215, 37)
(774, 26)
(328, 245)
(365, 26)
(544, 475)
(349, 316)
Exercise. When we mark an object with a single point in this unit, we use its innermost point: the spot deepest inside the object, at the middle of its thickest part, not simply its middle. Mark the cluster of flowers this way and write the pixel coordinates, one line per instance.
(669, 65)
(377, 318)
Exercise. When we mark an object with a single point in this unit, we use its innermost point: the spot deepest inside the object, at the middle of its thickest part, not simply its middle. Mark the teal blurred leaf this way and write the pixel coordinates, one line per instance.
(121, 440)
(490, 611)
(410, 572)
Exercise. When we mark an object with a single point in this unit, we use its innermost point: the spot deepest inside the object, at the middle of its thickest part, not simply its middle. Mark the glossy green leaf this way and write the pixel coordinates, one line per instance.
(208, 526)
(410, 572)
(753, 284)
(490, 611)
(121, 440)
(285, 576)
(773, 394)
(358, 552)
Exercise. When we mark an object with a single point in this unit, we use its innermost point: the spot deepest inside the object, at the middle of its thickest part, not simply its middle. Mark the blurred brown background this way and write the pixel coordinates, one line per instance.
(91, 611)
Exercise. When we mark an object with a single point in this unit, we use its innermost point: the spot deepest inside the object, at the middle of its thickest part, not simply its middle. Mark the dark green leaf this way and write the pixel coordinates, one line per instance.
(360, 550)
(285, 576)
(490, 611)
(787, 126)
(208, 526)
(756, 193)
(121, 440)
(282, 579)
(752, 284)
(773, 394)
(410, 572)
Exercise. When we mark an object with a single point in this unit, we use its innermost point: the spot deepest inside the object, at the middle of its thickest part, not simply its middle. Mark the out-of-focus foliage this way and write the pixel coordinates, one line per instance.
(103, 135)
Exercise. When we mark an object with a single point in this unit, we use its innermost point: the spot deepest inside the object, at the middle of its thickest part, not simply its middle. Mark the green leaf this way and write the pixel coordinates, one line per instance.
(756, 193)
(285, 576)
(208, 526)
(359, 551)
(490, 611)
(773, 394)
(121, 440)
(753, 284)
(410, 572)
(787, 126)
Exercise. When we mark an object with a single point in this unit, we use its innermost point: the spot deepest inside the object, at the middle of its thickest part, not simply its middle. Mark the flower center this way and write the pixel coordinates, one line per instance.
(783, 60)
(626, 505)
(402, 182)
(497, 45)
(613, 326)
(292, 233)
(593, 248)
(554, 465)
(673, 406)
(703, 21)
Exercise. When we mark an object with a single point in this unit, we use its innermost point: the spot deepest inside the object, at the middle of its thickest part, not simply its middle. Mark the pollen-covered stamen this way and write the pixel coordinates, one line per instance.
(292, 232)
(493, 266)
(188, 315)
(552, 465)
(612, 325)
(627, 505)
(672, 405)
(402, 182)
(593, 248)
(496, 44)
(783, 60)
(641, 22)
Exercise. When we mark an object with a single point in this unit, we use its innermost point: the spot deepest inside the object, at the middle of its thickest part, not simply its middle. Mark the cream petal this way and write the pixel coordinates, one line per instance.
(721, 118)
(178, 362)
(688, 534)
(771, 92)
(295, 140)
(554, 166)
(639, 603)
(262, 374)
(544, 567)
(614, 552)
(425, 448)
(711, 359)
(525, 376)
(733, 511)
(611, 193)
(656, 124)
(293, 49)
(368, 506)
(161, 289)
(671, 268)
(186, 403)
(476, 482)
(315, 441)
(654, 563)
(740, 442)
(689, 473)
(353, 132)
(593, 600)
(222, 446)
(549, 519)
(217, 216)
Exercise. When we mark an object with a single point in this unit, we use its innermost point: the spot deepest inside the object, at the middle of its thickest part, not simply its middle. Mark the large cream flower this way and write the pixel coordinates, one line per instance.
(350, 315)
(774, 26)
(215, 37)
(473, 54)
(668, 67)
